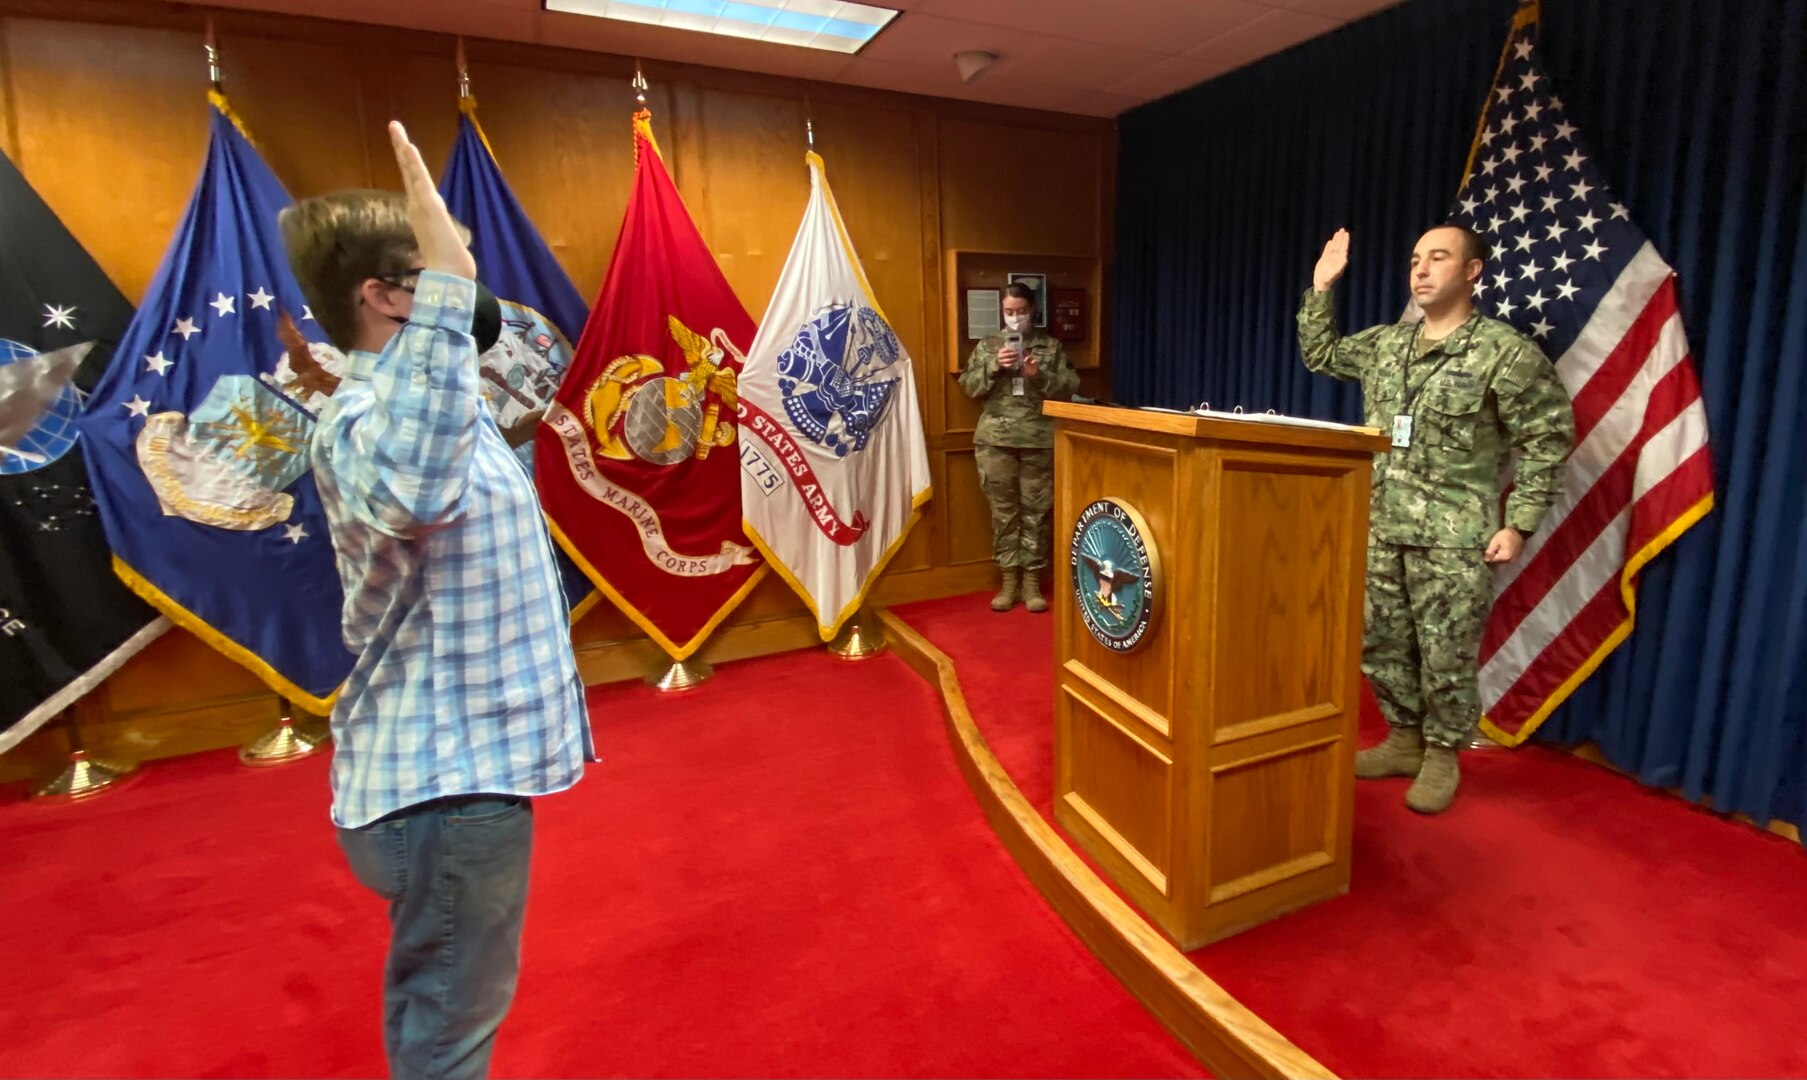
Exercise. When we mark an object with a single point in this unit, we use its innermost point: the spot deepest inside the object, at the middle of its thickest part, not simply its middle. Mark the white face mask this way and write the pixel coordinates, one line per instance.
(1016, 322)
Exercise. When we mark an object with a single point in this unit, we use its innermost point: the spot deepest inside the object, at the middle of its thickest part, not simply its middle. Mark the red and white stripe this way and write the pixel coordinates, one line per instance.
(1640, 473)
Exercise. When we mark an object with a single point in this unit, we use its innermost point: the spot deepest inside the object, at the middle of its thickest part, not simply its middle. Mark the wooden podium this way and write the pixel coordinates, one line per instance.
(1208, 771)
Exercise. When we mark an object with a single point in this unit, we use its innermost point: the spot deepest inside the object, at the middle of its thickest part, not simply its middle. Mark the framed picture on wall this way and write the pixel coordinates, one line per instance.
(1038, 284)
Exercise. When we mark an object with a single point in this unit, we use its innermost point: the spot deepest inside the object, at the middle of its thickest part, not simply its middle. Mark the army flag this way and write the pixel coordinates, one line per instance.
(636, 461)
(836, 468)
(541, 309)
(1573, 270)
(199, 466)
(66, 621)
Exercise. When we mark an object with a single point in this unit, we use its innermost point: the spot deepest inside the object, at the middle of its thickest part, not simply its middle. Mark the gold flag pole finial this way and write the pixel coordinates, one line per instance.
(464, 73)
(216, 82)
(213, 57)
(639, 85)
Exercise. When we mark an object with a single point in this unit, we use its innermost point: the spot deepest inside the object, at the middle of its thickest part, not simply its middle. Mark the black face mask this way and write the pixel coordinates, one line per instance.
(486, 318)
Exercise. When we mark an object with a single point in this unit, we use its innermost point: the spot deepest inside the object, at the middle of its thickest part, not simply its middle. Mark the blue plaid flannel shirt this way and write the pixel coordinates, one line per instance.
(465, 681)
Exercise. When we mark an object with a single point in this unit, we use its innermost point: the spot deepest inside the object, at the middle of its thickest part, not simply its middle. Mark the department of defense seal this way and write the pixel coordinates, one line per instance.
(1116, 574)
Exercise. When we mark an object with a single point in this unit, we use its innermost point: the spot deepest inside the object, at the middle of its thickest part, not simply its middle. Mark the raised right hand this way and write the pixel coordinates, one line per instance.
(1332, 263)
(441, 248)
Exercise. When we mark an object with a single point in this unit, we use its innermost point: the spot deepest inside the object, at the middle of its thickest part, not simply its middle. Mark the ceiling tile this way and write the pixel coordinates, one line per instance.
(1081, 65)
(1100, 103)
(1269, 34)
(1163, 26)
(928, 41)
(1169, 76)
(1346, 10)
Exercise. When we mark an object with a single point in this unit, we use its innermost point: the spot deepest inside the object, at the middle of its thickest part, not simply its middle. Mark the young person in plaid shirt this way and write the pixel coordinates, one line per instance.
(464, 701)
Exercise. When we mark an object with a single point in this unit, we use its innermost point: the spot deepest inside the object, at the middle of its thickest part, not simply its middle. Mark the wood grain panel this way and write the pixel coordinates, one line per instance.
(1017, 182)
(1281, 592)
(104, 111)
(750, 192)
(1146, 476)
(1274, 813)
(1121, 782)
(968, 514)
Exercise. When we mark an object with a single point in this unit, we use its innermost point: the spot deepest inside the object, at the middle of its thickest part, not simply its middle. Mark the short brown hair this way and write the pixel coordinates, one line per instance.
(1020, 291)
(339, 241)
(1476, 246)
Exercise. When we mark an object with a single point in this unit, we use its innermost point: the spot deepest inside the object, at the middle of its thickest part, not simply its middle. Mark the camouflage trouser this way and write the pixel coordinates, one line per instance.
(1019, 485)
(1426, 610)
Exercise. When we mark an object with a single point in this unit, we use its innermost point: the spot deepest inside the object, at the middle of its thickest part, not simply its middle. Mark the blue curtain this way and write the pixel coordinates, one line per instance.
(1694, 109)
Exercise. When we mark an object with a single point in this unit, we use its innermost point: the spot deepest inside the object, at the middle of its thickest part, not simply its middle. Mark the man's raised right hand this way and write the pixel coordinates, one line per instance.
(1332, 263)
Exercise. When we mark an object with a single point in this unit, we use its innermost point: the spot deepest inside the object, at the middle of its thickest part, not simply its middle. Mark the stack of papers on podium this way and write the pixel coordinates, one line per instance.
(1262, 418)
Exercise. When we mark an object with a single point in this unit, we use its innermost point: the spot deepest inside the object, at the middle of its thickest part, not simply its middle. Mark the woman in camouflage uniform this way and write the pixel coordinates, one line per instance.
(1013, 373)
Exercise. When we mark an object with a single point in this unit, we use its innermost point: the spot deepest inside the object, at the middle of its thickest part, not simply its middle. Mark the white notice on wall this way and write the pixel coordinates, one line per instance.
(984, 315)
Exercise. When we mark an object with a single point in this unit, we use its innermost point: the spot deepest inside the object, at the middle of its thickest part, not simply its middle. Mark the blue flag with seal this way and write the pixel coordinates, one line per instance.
(198, 463)
(542, 311)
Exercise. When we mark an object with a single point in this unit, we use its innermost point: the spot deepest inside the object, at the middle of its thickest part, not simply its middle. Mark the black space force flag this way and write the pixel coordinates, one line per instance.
(66, 620)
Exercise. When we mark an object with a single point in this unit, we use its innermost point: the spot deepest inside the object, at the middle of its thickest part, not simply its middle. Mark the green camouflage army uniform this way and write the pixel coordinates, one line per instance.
(1014, 444)
(1480, 393)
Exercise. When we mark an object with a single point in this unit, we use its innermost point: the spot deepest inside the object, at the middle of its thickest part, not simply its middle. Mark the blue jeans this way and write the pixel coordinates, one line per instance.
(455, 874)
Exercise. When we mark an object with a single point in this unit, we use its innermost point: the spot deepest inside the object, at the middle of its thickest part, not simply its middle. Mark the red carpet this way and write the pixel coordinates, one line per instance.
(780, 874)
(1559, 920)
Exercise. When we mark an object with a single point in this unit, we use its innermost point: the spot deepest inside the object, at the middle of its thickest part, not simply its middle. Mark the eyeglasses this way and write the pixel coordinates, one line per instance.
(406, 281)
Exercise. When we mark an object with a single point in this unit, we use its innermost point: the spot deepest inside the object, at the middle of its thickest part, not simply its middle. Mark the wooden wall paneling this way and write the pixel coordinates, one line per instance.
(749, 194)
(104, 111)
(1018, 185)
(304, 104)
(565, 143)
(968, 514)
(9, 98)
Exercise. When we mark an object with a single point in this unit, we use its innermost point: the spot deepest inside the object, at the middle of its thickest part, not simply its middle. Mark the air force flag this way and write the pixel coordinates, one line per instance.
(198, 466)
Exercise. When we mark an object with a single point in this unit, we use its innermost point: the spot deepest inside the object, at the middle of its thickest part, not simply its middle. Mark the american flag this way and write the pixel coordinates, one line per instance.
(1570, 268)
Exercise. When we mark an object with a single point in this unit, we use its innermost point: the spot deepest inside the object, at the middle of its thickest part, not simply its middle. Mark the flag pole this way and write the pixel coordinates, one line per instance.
(85, 776)
(668, 676)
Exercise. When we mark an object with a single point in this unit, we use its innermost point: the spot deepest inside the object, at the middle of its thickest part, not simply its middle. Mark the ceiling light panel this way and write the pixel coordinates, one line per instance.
(833, 25)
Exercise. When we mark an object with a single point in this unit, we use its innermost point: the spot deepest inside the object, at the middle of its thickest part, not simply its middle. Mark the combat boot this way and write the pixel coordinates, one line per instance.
(1006, 598)
(1435, 787)
(1032, 591)
(1402, 754)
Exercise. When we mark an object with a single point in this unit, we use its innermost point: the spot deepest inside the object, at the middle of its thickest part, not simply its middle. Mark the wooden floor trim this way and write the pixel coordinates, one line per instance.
(1785, 829)
(1220, 1031)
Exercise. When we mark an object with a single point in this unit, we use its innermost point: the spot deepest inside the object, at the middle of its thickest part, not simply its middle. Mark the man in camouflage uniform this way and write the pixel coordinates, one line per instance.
(1459, 392)
(1014, 443)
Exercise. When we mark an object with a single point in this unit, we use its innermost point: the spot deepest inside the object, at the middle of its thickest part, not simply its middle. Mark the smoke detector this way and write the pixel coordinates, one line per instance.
(972, 63)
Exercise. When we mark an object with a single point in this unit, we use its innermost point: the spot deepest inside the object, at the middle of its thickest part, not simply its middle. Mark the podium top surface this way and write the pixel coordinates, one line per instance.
(1223, 428)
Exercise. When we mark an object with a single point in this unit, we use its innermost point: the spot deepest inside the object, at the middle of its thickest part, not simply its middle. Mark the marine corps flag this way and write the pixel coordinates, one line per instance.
(541, 309)
(66, 621)
(836, 467)
(199, 466)
(637, 458)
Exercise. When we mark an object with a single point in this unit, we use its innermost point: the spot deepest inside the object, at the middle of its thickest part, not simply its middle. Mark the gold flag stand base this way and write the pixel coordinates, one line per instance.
(83, 779)
(860, 639)
(1480, 740)
(279, 747)
(680, 675)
